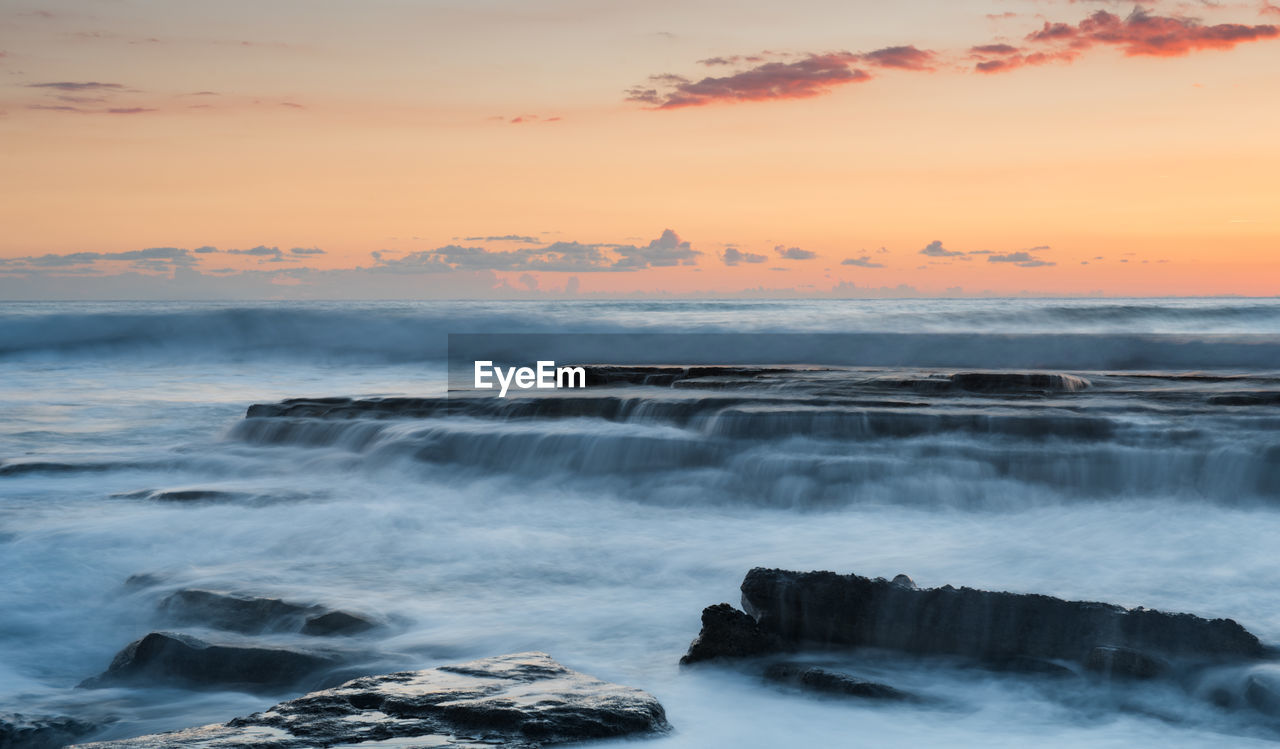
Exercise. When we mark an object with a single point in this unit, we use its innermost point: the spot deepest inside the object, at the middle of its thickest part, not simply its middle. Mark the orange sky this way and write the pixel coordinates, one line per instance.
(1134, 148)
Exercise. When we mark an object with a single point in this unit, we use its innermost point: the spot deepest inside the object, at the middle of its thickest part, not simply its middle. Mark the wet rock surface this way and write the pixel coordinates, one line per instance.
(728, 633)
(1015, 382)
(828, 609)
(1125, 663)
(234, 612)
(1021, 635)
(18, 731)
(251, 615)
(521, 701)
(336, 623)
(824, 681)
(182, 660)
(1262, 690)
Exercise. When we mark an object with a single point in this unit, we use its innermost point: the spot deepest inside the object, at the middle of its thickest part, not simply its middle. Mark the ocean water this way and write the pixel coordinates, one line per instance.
(598, 529)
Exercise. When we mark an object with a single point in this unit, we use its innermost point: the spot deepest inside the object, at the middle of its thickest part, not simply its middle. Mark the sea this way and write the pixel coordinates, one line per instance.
(598, 531)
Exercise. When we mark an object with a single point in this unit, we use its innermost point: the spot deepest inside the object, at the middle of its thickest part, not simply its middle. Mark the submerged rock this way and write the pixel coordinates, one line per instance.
(1021, 664)
(1018, 382)
(235, 612)
(816, 679)
(521, 701)
(827, 609)
(728, 633)
(168, 658)
(1125, 663)
(185, 495)
(18, 731)
(336, 623)
(1262, 690)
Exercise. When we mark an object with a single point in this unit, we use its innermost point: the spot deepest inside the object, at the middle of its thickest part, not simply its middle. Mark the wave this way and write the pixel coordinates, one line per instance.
(923, 333)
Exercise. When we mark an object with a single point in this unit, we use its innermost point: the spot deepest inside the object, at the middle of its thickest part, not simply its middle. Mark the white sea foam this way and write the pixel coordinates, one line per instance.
(599, 536)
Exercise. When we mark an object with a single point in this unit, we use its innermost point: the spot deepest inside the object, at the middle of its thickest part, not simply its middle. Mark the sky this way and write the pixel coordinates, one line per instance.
(579, 148)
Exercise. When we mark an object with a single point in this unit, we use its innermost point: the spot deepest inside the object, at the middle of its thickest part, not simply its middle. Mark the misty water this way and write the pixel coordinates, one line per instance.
(599, 535)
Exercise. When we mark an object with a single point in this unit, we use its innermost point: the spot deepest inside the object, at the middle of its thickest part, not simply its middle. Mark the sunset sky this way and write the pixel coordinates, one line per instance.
(509, 148)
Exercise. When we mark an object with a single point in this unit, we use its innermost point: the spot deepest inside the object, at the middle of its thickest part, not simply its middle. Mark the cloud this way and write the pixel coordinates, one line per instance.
(525, 119)
(862, 262)
(814, 75)
(129, 110)
(734, 60)
(56, 108)
(259, 251)
(1143, 33)
(78, 86)
(503, 238)
(168, 257)
(665, 251)
(935, 249)
(994, 49)
(1023, 259)
(1001, 58)
(905, 58)
(734, 256)
(307, 251)
(794, 253)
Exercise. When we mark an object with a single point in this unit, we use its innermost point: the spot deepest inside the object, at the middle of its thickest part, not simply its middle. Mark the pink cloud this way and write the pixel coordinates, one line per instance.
(1143, 33)
(906, 58)
(811, 76)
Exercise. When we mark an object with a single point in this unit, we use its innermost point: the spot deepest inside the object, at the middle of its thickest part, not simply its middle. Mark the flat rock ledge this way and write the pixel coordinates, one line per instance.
(524, 700)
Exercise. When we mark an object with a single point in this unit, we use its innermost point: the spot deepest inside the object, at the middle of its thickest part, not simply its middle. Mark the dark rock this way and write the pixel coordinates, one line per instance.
(345, 408)
(1024, 665)
(195, 495)
(167, 658)
(1125, 663)
(19, 731)
(184, 495)
(1262, 690)
(831, 682)
(904, 581)
(336, 623)
(22, 467)
(520, 701)
(144, 580)
(827, 609)
(728, 633)
(1246, 399)
(234, 612)
(1018, 382)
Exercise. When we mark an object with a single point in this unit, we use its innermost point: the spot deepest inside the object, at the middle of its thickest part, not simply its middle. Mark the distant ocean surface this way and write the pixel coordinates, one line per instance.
(599, 536)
